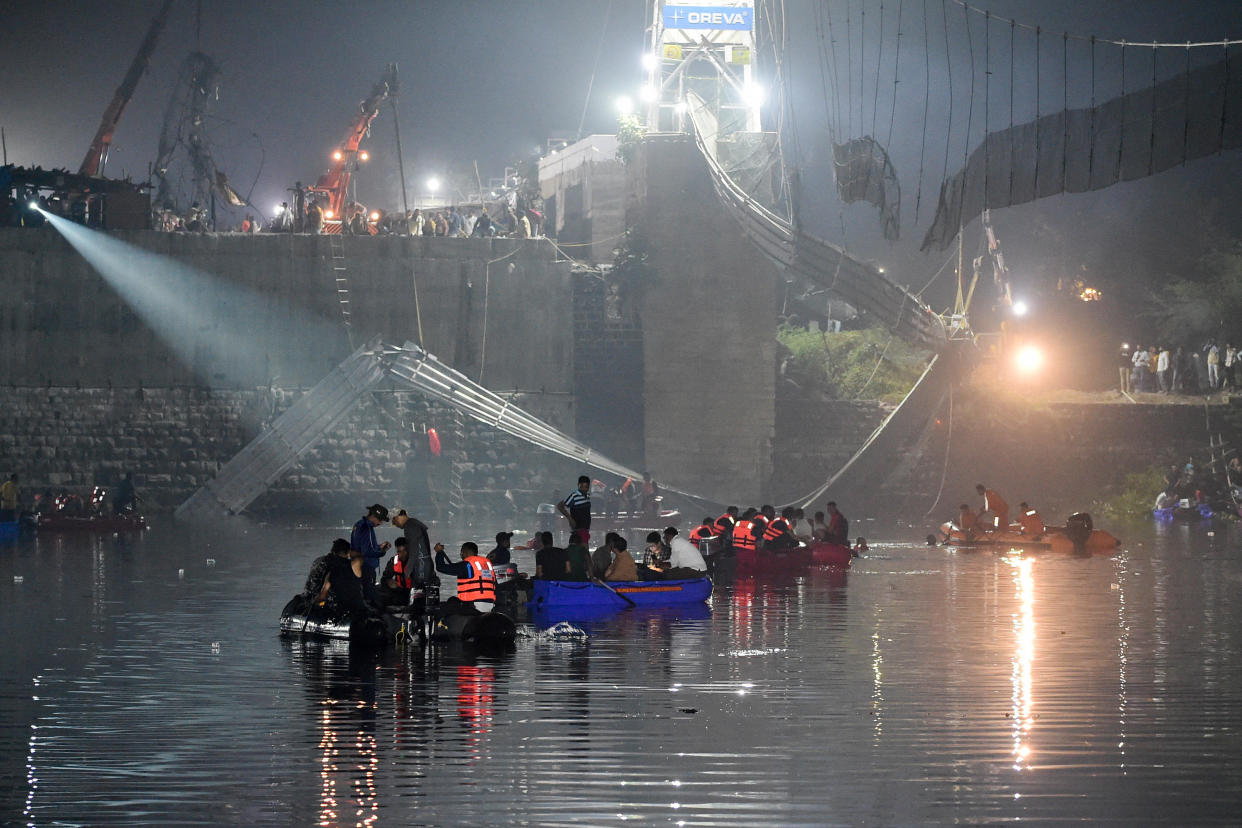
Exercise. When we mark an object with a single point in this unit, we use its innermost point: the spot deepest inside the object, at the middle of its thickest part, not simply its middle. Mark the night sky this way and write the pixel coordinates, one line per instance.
(490, 81)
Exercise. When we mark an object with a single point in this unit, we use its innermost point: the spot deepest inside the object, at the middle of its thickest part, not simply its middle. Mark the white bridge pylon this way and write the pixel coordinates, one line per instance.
(261, 463)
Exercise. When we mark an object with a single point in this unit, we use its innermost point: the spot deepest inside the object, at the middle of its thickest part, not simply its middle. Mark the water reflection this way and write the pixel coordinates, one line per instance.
(1023, 658)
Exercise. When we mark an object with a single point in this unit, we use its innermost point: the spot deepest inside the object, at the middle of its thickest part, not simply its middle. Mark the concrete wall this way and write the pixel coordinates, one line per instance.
(62, 324)
(815, 438)
(709, 331)
(585, 185)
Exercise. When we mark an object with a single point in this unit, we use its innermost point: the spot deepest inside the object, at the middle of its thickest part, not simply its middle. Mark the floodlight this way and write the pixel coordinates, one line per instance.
(625, 105)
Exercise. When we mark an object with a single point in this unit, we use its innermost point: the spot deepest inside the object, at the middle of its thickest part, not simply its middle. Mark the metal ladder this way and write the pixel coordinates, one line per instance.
(457, 495)
(277, 449)
(336, 245)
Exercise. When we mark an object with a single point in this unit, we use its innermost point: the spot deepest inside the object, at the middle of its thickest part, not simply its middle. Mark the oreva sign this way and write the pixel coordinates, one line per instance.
(709, 17)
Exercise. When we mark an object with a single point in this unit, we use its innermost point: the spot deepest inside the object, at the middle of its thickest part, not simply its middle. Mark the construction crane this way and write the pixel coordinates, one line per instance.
(97, 155)
(334, 184)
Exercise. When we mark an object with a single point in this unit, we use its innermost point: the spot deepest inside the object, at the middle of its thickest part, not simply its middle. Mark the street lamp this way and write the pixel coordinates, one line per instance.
(433, 184)
(625, 105)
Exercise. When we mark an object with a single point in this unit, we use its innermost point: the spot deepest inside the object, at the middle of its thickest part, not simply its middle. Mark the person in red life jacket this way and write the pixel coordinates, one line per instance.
(746, 533)
(779, 531)
(994, 503)
(397, 579)
(1032, 524)
(476, 582)
(838, 525)
(760, 521)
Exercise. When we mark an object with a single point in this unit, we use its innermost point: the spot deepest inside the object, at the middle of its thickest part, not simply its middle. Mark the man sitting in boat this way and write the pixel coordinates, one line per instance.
(623, 567)
(994, 503)
(476, 582)
(601, 558)
(344, 589)
(779, 532)
(550, 562)
(684, 560)
(654, 556)
(577, 557)
(967, 521)
(316, 589)
(499, 556)
(397, 580)
(838, 525)
(1032, 524)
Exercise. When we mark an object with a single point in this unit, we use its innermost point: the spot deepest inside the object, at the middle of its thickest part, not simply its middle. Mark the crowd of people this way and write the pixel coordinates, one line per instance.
(1158, 369)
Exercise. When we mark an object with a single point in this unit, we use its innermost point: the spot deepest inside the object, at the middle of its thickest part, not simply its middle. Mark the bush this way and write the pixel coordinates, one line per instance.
(867, 364)
(1136, 497)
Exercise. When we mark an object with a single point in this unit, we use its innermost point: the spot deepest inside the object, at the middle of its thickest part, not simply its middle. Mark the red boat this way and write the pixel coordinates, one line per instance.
(92, 523)
(832, 554)
(750, 561)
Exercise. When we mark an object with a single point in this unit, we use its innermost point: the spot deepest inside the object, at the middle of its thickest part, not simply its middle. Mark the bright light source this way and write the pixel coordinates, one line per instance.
(433, 184)
(375, 215)
(328, 214)
(32, 205)
(337, 156)
(625, 105)
(1029, 359)
(880, 269)
(648, 93)
(278, 209)
(364, 156)
(753, 94)
(1020, 308)
(1125, 346)
(680, 107)
(650, 61)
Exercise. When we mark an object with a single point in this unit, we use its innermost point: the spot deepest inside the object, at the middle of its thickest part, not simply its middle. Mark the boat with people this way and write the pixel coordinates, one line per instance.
(548, 593)
(493, 628)
(831, 554)
(1184, 511)
(1078, 533)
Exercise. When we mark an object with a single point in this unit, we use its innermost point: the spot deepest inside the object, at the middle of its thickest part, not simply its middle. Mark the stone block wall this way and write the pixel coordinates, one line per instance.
(815, 438)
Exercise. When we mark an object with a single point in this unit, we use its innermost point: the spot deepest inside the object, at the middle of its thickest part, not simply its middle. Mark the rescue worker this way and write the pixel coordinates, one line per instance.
(744, 532)
(1032, 523)
(397, 580)
(476, 582)
(838, 525)
(422, 567)
(967, 521)
(994, 503)
(704, 531)
(316, 589)
(779, 532)
(724, 523)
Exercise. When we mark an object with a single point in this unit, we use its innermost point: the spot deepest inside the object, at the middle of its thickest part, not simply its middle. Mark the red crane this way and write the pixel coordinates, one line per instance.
(97, 155)
(334, 184)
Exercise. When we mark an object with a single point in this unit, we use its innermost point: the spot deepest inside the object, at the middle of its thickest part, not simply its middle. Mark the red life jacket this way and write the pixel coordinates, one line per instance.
(701, 533)
(776, 528)
(404, 581)
(724, 523)
(742, 537)
(481, 585)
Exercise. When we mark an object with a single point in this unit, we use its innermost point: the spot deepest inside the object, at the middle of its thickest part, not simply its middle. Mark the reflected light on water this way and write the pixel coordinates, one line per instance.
(1023, 656)
(1123, 656)
(363, 797)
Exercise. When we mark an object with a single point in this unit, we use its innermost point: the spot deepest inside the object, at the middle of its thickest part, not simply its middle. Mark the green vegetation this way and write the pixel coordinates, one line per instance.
(1206, 304)
(867, 364)
(1136, 496)
(630, 134)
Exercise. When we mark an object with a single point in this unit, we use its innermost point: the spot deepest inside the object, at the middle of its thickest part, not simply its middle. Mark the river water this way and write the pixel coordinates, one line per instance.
(144, 683)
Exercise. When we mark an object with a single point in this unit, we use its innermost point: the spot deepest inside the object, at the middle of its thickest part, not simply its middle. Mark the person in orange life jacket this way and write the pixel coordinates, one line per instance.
(994, 503)
(760, 521)
(1032, 523)
(476, 582)
(704, 531)
(724, 523)
(779, 533)
(745, 532)
(398, 578)
(967, 521)
(838, 525)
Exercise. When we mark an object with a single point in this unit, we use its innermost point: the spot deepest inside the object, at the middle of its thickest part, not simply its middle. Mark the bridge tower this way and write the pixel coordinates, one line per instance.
(709, 49)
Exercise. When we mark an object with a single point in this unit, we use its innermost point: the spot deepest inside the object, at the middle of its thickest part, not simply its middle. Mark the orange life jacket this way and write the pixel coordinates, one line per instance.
(742, 537)
(403, 578)
(481, 585)
(776, 528)
(724, 523)
(701, 533)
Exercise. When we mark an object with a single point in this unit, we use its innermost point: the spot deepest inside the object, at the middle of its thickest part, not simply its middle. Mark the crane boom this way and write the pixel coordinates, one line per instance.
(97, 155)
(335, 182)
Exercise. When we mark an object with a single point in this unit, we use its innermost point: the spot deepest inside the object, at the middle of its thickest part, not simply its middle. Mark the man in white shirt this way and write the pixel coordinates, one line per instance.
(684, 560)
(1162, 369)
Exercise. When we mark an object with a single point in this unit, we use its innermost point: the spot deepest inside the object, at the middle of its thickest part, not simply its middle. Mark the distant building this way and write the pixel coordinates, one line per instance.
(583, 189)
